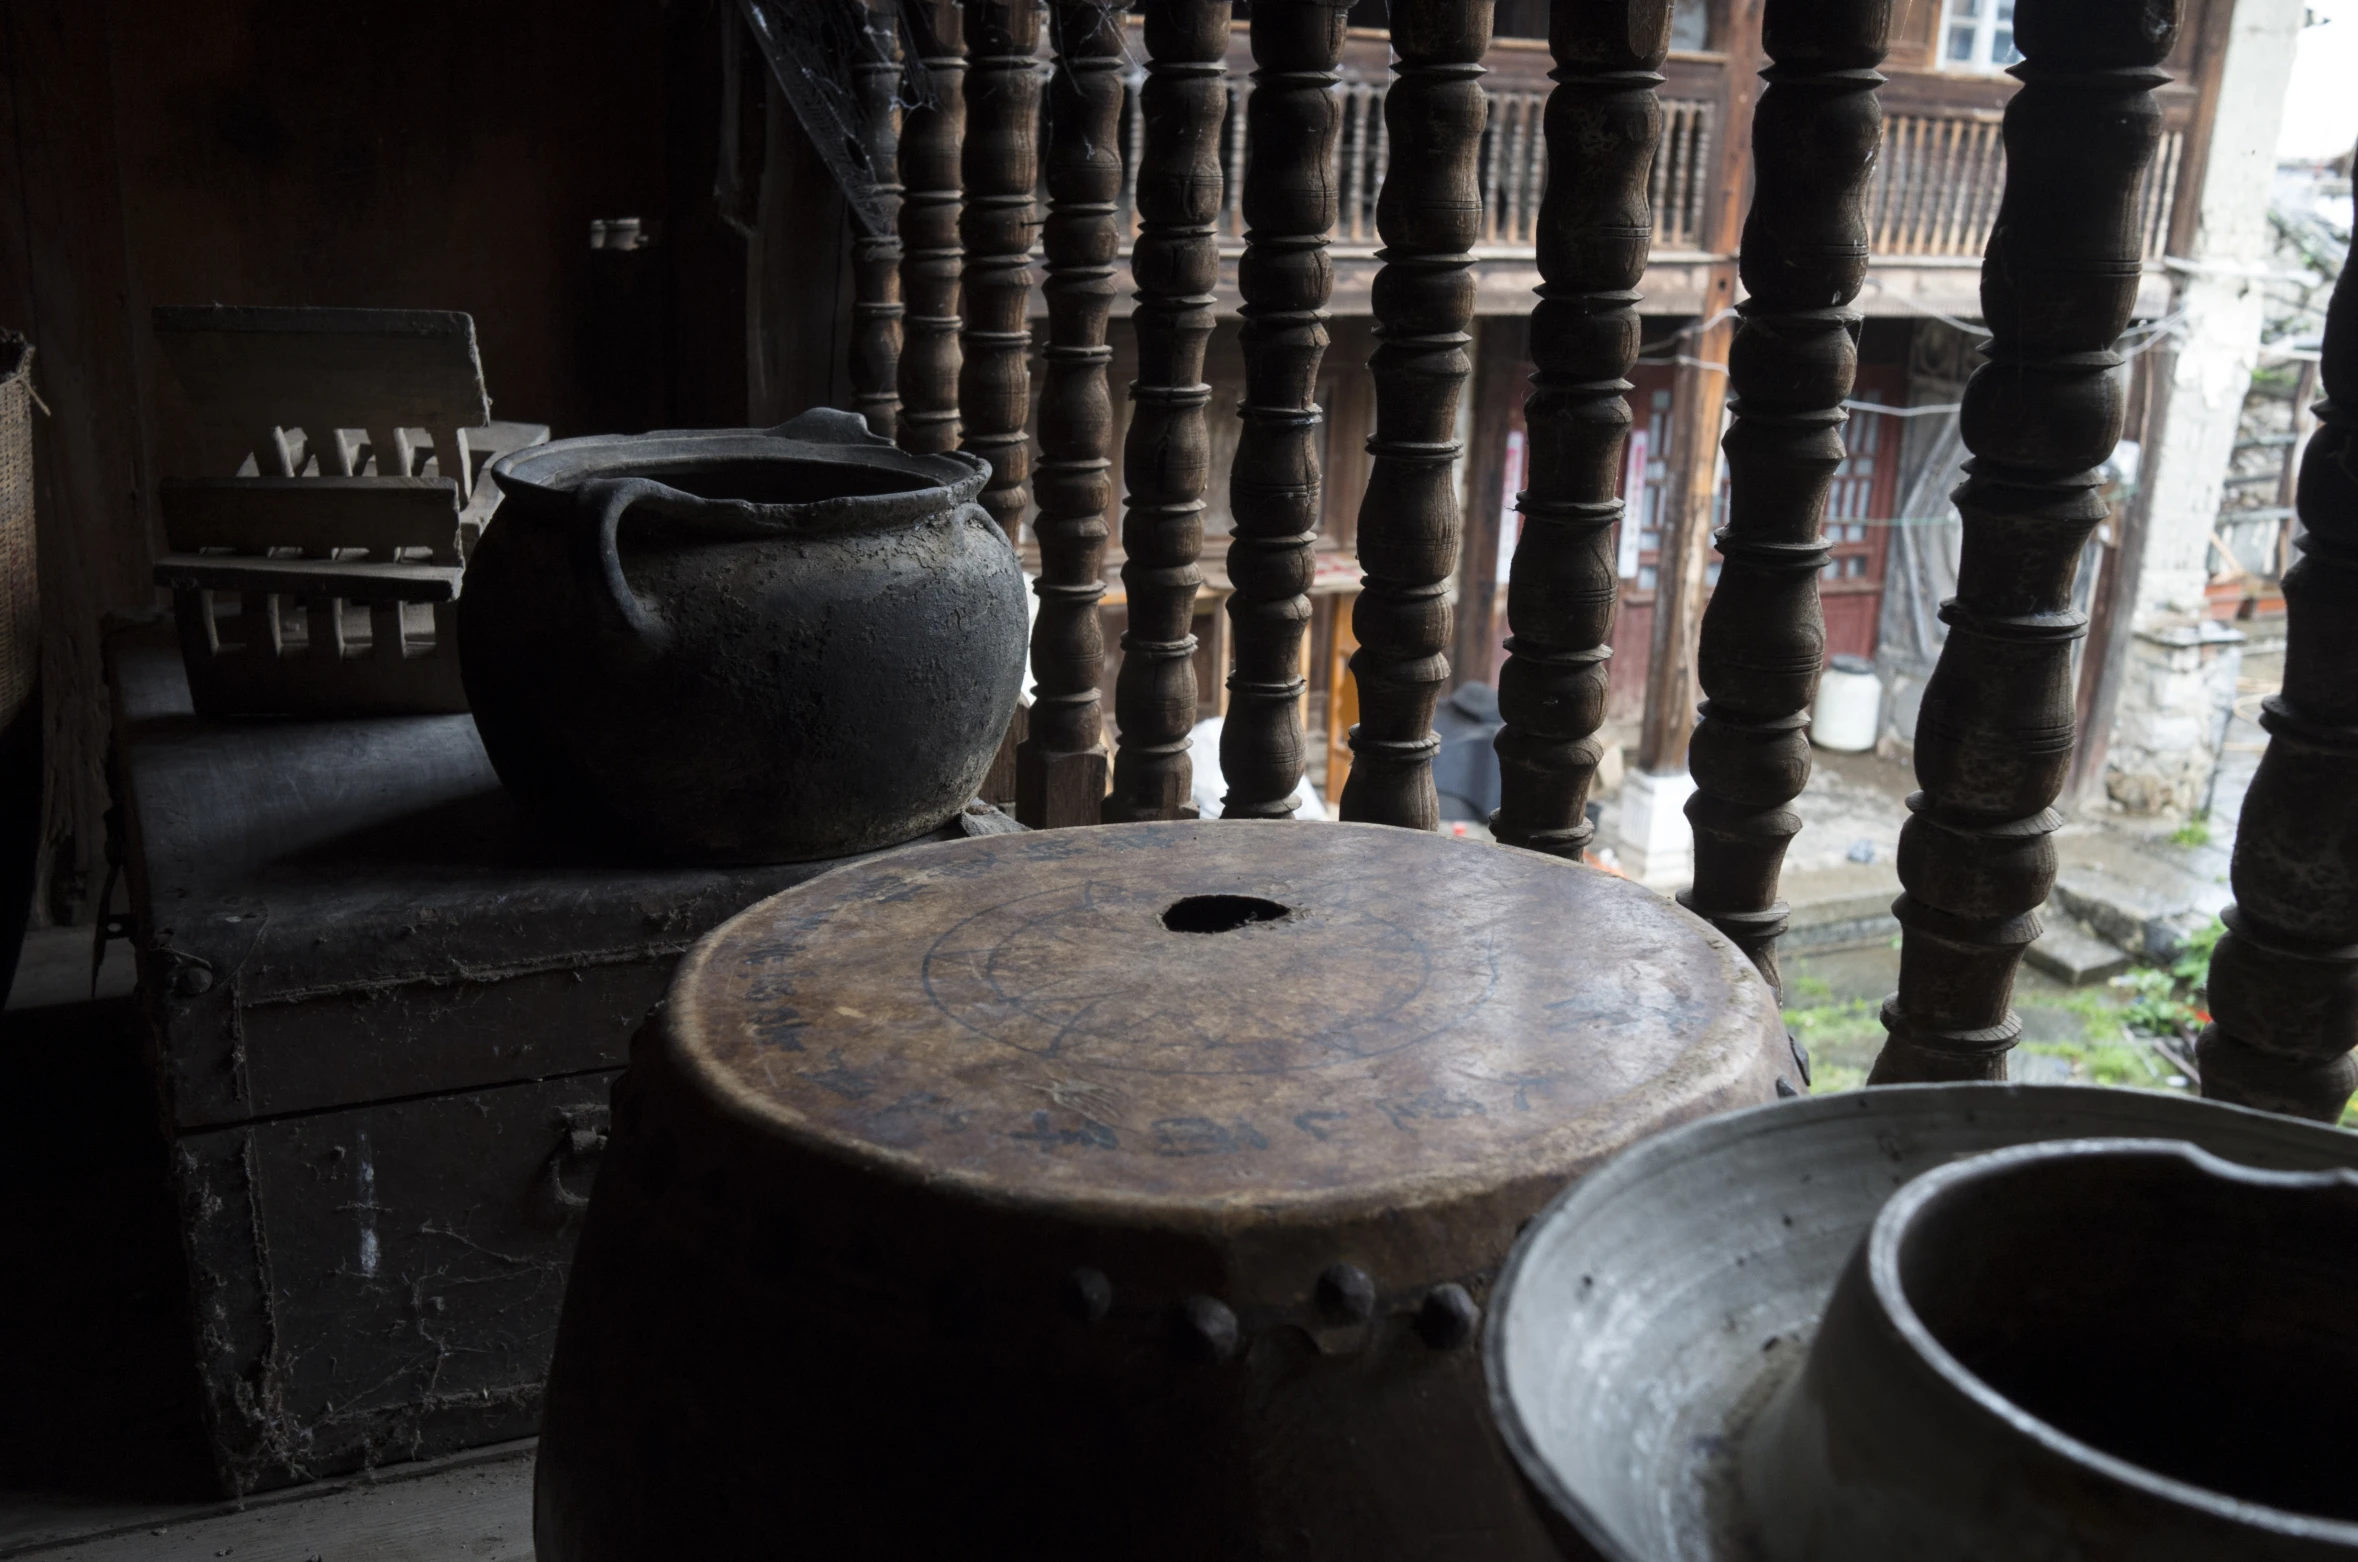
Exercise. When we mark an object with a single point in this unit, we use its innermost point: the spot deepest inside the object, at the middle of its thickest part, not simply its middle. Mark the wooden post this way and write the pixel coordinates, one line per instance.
(1499, 355)
(798, 290)
(1699, 395)
(1167, 458)
(2284, 978)
(876, 257)
(1994, 739)
(1791, 366)
(1274, 484)
(1001, 167)
(1060, 768)
(933, 259)
(1429, 214)
(1604, 120)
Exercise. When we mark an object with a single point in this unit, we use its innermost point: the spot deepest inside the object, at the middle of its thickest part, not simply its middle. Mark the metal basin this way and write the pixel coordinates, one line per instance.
(1647, 1318)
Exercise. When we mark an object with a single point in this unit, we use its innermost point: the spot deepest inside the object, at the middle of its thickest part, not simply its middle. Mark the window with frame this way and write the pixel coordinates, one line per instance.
(1978, 35)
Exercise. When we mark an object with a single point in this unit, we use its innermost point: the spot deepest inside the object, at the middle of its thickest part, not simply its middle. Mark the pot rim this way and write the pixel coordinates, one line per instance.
(555, 472)
(1899, 1218)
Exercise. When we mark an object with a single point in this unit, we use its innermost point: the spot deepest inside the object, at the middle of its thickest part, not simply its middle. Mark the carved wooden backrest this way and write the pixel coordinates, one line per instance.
(1001, 166)
(1061, 766)
(1166, 460)
(1430, 215)
(1604, 121)
(932, 260)
(2284, 977)
(1994, 736)
(1274, 484)
(1791, 367)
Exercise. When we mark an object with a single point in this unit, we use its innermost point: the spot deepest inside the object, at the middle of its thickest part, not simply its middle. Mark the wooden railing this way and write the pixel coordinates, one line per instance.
(1938, 180)
(1934, 193)
(1512, 154)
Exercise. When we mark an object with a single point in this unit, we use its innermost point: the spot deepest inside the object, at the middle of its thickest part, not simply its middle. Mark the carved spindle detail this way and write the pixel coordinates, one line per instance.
(2284, 978)
(1060, 767)
(933, 259)
(876, 257)
(1429, 214)
(1994, 737)
(1167, 457)
(1790, 367)
(1595, 229)
(1274, 486)
(1002, 167)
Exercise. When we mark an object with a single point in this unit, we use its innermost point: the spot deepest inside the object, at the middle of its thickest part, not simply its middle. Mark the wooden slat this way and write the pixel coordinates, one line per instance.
(315, 514)
(327, 368)
(309, 577)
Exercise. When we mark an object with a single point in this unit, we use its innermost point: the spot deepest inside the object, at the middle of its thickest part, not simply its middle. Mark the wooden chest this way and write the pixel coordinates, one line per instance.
(384, 1021)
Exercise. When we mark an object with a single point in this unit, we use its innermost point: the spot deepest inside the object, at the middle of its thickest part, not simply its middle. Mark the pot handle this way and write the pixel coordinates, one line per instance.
(616, 610)
(829, 426)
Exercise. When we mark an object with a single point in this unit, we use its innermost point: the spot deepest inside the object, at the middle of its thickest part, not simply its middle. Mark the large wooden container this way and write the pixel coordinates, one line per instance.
(1130, 1192)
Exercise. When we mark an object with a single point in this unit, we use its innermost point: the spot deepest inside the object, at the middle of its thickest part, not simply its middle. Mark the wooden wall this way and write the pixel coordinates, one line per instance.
(415, 153)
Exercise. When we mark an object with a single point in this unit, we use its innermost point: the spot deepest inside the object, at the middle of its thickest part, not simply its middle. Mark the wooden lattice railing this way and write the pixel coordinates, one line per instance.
(1512, 166)
(1939, 178)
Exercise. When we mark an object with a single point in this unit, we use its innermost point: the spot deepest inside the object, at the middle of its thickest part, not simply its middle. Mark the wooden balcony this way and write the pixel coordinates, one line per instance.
(1933, 201)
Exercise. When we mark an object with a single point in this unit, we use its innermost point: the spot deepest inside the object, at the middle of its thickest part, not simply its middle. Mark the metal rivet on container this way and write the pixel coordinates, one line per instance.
(1800, 1055)
(1206, 1330)
(194, 979)
(1088, 1294)
(1346, 1294)
(1448, 1317)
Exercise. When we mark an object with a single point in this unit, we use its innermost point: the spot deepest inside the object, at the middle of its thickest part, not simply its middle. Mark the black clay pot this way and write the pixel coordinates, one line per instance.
(742, 646)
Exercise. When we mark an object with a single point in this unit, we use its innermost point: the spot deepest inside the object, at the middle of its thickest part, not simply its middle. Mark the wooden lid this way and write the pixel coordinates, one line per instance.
(1219, 1021)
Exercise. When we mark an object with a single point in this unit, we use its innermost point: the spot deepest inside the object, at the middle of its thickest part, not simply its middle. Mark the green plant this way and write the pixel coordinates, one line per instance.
(2169, 1001)
(2194, 832)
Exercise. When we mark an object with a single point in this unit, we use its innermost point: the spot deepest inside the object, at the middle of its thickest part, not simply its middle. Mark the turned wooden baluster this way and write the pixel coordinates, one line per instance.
(876, 257)
(932, 259)
(1001, 167)
(1429, 214)
(1060, 766)
(1274, 486)
(1594, 231)
(1167, 457)
(1790, 368)
(2284, 978)
(1994, 737)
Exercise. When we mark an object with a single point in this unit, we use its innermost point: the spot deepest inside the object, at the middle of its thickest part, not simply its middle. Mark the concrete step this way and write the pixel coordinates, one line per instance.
(1845, 907)
(2076, 957)
(2144, 896)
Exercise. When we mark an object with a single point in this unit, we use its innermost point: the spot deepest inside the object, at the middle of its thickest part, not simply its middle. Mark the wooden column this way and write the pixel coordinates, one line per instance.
(1167, 458)
(1692, 491)
(1001, 166)
(1688, 500)
(1790, 366)
(1994, 739)
(1499, 379)
(1429, 214)
(933, 259)
(1060, 767)
(1274, 485)
(876, 257)
(1595, 229)
(2284, 978)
